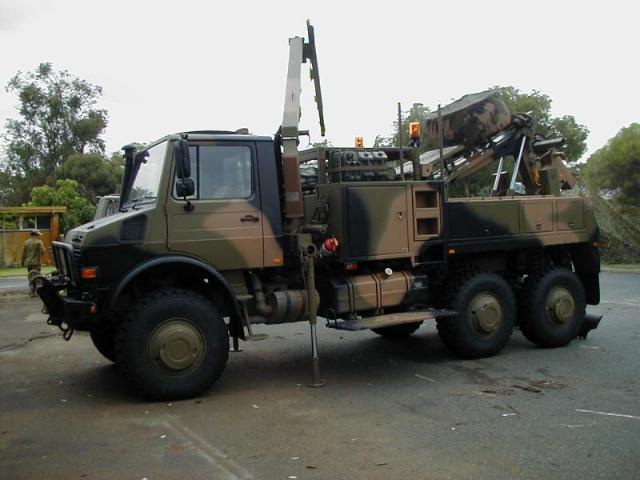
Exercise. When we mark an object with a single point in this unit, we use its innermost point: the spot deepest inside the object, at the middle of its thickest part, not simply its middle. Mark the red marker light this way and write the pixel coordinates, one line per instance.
(331, 245)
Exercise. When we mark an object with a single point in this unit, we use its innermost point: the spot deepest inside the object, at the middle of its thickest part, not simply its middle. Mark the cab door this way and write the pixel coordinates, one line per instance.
(225, 225)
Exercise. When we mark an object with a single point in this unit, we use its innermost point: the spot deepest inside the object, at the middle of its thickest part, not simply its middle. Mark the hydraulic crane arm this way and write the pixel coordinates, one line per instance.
(299, 53)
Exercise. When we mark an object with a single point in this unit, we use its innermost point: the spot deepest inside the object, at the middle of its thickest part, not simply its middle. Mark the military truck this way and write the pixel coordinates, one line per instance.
(107, 205)
(218, 231)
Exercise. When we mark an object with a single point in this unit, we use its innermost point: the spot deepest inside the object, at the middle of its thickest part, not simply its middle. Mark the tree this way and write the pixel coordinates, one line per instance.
(612, 176)
(58, 116)
(613, 171)
(538, 105)
(64, 194)
(96, 176)
(417, 113)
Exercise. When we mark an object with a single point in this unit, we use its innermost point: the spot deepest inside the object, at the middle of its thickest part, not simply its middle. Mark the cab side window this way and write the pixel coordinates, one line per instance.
(224, 172)
(221, 172)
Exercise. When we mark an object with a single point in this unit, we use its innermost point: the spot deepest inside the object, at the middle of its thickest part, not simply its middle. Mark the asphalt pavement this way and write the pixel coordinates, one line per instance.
(391, 409)
(14, 284)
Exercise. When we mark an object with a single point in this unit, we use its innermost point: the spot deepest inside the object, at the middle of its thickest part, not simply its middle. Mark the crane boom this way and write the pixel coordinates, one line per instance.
(299, 52)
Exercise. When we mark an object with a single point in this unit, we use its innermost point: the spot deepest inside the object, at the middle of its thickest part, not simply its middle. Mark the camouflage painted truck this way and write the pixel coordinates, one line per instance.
(218, 231)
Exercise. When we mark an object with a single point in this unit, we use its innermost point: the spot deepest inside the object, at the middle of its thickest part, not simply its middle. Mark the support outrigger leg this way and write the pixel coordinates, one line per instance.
(316, 381)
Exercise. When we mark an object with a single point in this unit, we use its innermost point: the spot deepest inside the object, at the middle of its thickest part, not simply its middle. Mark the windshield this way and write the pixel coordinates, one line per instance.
(147, 178)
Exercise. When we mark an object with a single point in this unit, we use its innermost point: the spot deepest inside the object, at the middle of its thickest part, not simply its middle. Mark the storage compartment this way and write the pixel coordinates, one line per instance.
(377, 221)
(426, 199)
(570, 213)
(427, 226)
(487, 218)
(426, 213)
(537, 216)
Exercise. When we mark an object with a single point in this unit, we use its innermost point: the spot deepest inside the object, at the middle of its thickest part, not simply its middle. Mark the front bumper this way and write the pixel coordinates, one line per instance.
(67, 312)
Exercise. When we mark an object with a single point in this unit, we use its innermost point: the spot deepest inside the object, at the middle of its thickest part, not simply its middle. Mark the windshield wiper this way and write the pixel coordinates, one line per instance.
(142, 201)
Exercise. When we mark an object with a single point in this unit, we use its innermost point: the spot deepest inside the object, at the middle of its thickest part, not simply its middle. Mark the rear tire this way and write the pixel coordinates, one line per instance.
(552, 307)
(104, 341)
(173, 344)
(486, 312)
(397, 331)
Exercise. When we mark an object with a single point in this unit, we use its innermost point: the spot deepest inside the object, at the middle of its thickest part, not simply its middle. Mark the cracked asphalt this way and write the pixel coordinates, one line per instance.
(390, 409)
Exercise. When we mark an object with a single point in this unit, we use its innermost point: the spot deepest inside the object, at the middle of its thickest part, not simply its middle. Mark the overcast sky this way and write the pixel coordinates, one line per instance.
(187, 65)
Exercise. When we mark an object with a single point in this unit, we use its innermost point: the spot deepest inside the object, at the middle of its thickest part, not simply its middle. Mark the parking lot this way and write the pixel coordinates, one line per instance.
(391, 409)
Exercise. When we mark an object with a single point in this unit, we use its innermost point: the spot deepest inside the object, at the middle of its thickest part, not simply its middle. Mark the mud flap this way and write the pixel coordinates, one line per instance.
(591, 322)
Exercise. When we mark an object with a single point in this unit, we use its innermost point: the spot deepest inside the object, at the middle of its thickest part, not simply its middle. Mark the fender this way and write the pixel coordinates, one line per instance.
(236, 318)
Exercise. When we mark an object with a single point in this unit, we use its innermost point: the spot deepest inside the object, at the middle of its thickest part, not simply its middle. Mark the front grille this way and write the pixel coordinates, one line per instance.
(64, 258)
(78, 257)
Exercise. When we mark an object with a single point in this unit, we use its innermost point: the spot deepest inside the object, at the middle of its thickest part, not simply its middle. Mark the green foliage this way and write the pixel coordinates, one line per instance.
(417, 113)
(538, 105)
(612, 176)
(614, 170)
(574, 134)
(58, 117)
(96, 176)
(64, 194)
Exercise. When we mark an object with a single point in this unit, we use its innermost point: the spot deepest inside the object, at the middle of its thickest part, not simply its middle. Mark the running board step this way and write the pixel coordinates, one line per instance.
(389, 319)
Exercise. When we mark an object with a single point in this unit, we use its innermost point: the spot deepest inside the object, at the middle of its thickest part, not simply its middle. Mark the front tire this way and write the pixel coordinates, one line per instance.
(552, 307)
(173, 344)
(486, 312)
(104, 341)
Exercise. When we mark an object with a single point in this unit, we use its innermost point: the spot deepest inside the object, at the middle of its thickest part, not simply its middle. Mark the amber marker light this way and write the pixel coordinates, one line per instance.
(89, 273)
(452, 251)
(415, 130)
(277, 261)
(359, 142)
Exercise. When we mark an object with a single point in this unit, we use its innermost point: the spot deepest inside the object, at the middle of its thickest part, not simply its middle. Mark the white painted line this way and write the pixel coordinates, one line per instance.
(229, 468)
(422, 377)
(609, 414)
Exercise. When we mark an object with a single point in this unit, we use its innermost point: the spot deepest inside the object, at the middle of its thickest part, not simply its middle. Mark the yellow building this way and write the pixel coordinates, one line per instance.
(16, 224)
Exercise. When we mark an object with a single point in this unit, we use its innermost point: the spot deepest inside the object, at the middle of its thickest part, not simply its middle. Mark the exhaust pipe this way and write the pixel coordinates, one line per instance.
(591, 322)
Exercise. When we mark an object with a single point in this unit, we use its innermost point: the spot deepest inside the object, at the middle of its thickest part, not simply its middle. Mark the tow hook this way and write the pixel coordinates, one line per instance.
(67, 331)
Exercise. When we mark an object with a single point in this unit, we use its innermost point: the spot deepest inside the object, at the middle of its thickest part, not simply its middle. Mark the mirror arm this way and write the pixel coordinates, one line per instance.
(188, 207)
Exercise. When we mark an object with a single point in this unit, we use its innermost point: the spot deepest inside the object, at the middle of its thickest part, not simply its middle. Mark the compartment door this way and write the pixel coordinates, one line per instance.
(377, 221)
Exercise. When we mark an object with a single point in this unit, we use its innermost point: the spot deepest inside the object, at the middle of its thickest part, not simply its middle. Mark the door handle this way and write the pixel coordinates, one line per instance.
(249, 218)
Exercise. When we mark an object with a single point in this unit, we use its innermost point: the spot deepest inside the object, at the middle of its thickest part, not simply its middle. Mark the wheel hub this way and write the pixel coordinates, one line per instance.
(485, 313)
(177, 345)
(560, 305)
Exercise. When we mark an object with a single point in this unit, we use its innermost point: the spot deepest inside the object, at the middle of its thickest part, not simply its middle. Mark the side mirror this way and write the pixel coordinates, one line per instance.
(185, 187)
(183, 161)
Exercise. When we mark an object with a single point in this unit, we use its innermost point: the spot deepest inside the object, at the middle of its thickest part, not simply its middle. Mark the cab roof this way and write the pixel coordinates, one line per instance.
(225, 135)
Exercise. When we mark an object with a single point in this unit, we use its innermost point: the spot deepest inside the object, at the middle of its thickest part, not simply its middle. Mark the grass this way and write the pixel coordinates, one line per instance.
(20, 272)
(631, 266)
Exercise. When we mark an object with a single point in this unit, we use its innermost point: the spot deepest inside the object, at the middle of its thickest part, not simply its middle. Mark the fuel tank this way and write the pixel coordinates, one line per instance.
(374, 291)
